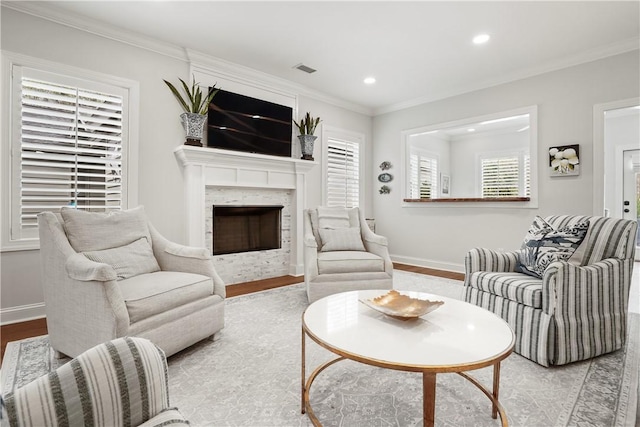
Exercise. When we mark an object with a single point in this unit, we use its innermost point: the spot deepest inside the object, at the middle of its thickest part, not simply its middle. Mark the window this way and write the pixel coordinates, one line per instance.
(342, 163)
(69, 147)
(505, 176)
(423, 182)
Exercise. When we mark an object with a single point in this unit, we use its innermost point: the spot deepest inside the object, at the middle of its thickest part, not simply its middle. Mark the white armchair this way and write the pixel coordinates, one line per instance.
(109, 276)
(341, 253)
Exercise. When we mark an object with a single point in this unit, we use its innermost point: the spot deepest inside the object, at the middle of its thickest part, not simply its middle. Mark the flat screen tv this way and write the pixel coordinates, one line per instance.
(241, 123)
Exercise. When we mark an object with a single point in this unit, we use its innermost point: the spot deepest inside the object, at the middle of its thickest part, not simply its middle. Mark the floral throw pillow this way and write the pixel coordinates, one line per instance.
(544, 244)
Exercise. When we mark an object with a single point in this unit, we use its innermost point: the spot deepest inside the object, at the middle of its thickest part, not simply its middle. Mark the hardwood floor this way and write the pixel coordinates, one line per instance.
(34, 328)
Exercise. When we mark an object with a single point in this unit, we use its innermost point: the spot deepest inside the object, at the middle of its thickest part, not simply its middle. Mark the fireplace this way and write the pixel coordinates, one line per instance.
(246, 228)
(224, 177)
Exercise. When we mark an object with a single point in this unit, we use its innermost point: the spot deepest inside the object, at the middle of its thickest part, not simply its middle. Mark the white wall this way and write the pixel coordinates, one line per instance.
(160, 182)
(440, 235)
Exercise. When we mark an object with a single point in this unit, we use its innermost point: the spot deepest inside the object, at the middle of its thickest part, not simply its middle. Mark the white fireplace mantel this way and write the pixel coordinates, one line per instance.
(210, 167)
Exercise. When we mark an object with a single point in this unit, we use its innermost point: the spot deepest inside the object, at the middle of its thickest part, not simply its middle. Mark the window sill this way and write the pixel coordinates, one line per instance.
(468, 199)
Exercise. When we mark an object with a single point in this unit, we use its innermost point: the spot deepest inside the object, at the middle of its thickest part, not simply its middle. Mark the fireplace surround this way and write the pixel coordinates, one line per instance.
(214, 169)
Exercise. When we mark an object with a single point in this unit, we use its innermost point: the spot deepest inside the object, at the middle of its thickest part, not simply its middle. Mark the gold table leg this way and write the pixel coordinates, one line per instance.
(303, 375)
(496, 389)
(428, 399)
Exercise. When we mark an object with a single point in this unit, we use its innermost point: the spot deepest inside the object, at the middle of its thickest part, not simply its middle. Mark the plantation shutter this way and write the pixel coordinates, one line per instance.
(527, 176)
(500, 177)
(343, 173)
(70, 149)
(424, 176)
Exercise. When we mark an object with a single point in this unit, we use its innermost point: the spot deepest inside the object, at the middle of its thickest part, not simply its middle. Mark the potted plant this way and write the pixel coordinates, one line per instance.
(307, 128)
(195, 107)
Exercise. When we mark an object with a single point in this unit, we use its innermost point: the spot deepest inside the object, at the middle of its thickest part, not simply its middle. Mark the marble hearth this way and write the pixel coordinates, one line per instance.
(229, 177)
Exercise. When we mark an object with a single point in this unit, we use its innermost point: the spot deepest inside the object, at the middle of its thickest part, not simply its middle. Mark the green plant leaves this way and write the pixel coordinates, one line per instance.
(307, 125)
(193, 102)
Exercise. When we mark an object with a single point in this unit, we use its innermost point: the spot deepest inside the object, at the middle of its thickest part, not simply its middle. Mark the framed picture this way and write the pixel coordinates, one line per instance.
(564, 160)
(445, 183)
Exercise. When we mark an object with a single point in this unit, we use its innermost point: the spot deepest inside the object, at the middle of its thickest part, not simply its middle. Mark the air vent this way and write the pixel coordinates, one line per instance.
(304, 68)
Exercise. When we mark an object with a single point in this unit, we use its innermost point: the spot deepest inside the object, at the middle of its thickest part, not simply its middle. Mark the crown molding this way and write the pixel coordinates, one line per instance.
(249, 75)
(92, 26)
(253, 77)
(45, 11)
(612, 49)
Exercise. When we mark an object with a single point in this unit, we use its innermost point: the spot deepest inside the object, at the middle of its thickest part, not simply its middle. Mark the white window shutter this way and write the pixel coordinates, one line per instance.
(424, 176)
(500, 177)
(71, 149)
(343, 173)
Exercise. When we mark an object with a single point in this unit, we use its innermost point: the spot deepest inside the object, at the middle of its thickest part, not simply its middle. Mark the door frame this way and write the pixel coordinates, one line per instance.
(598, 148)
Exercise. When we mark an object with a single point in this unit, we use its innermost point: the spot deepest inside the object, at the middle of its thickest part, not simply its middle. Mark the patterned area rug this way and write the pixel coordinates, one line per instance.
(250, 376)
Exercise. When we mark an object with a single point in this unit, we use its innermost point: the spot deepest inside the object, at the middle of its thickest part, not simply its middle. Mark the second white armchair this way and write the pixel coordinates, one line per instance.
(341, 253)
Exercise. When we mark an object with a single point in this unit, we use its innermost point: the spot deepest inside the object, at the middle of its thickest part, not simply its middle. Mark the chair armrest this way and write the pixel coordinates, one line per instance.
(376, 239)
(375, 243)
(174, 257)
(310, 256)
(568, 289)
(310, 241)
(482, 259)
(81, 268)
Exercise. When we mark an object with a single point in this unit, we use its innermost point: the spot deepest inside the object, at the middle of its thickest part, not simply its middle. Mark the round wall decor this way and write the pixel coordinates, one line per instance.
(385, 177)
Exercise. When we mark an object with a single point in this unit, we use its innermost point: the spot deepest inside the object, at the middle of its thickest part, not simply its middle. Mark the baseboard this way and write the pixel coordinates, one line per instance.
(21, 313)
(419, 262)
(296, 269)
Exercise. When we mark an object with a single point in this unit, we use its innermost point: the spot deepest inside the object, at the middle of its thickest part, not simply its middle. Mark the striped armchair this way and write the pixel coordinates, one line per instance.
(574, 312)
(119, 383)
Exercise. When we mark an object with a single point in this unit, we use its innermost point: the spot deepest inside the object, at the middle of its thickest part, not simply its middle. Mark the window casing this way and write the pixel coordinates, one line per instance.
(342, 163)
(69, 145)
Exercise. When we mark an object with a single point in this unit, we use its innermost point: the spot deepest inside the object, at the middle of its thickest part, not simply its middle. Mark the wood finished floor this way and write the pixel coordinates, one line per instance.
(34, 328)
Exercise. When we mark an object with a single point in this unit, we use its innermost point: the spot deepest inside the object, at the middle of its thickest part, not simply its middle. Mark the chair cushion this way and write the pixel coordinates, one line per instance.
(544, 244)
(341, 239)
(95, 231)
(349, 262)
(148, 294)
(128, 260)
(518, 287)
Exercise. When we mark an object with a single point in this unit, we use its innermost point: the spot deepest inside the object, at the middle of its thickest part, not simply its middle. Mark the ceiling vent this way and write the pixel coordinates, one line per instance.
(304, 68)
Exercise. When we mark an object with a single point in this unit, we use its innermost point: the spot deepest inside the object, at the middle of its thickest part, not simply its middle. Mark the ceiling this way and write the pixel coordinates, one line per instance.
(418, 51)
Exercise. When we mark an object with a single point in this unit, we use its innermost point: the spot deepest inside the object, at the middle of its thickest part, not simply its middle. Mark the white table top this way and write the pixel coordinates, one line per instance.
(458, 336)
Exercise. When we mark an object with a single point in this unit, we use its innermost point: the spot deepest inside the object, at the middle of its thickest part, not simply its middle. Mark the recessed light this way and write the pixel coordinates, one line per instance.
(369, 80)
(471, 130)
(481, 38)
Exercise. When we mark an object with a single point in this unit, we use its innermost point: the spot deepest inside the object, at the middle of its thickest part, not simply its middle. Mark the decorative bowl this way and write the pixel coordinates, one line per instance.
(399, 306)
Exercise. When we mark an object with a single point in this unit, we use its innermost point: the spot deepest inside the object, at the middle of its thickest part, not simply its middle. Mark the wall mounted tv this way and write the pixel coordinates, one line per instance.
(241, 123)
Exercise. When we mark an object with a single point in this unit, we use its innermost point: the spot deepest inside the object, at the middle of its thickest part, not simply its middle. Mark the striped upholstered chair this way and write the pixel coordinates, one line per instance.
(577, 309)
(119, 383)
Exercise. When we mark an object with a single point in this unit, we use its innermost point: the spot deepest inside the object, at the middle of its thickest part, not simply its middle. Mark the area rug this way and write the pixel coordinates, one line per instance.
(250, 376)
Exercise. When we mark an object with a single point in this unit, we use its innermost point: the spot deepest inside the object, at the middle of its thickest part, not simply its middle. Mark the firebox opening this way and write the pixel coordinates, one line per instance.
(246, 228)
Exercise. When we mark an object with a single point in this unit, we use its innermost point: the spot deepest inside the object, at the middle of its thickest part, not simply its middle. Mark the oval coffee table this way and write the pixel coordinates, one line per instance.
(457, 337)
